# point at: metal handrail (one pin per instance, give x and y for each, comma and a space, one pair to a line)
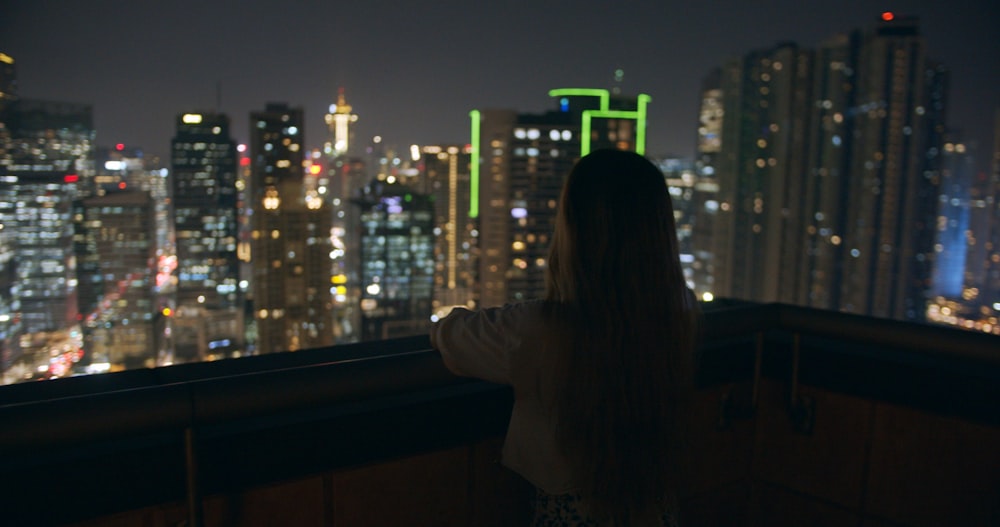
213, 399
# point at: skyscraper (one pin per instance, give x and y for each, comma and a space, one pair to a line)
126, 328
967, 277
9, 325
990, 294
897, 126
209, 311
445, 176
758, 168
520, 162
48, 157
954, 234
828, 173
339, 121
397, 260
681, 178
36, 208
291, 235
345, 174
705, 197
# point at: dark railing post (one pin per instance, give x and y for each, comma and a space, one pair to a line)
733, 406
801, 410
195, 512
758, 358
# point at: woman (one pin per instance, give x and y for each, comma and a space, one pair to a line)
601, 365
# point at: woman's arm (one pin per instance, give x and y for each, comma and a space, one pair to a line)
479, 343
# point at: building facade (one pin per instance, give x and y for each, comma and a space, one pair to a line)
291, 237
208, 318
828, 173
520, 162
397, 260
45, 165
444, 175
126, 327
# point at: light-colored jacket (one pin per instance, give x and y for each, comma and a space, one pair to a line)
507, 345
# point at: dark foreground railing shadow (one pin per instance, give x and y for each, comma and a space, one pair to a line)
800, 414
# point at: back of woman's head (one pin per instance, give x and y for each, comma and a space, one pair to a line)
615, 221
615, 282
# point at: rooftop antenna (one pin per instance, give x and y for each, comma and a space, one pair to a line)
619, 76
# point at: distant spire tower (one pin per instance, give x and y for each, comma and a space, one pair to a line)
339, 120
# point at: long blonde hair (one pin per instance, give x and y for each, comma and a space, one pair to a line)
624, 359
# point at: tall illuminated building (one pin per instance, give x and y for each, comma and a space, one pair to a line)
9, 325
444, 175
758, 171
681, 177
705, 195
345, 175
828, 173
208, 319
36, 214
48, 157
397, 260
515, 194
113, 170
124, 262
291, 251
897, 126
990, 295
967, 271
339, 121
955, 237
520, 162
126, 328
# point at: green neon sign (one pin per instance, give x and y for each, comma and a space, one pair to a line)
605, 113
474, 165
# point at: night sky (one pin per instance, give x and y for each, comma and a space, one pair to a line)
413, 70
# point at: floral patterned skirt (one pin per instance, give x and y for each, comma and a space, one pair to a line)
563, 510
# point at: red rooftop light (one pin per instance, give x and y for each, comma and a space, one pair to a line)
71, 178
121, 146
888, 16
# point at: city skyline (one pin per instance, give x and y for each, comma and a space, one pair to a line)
829, 156
413, 76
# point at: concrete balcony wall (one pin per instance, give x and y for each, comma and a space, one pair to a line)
845, 425
866, 464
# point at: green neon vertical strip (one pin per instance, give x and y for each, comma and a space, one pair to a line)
585, 133
474, 166
640, 134
603, 95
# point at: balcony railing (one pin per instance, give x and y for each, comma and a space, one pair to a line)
803, 417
